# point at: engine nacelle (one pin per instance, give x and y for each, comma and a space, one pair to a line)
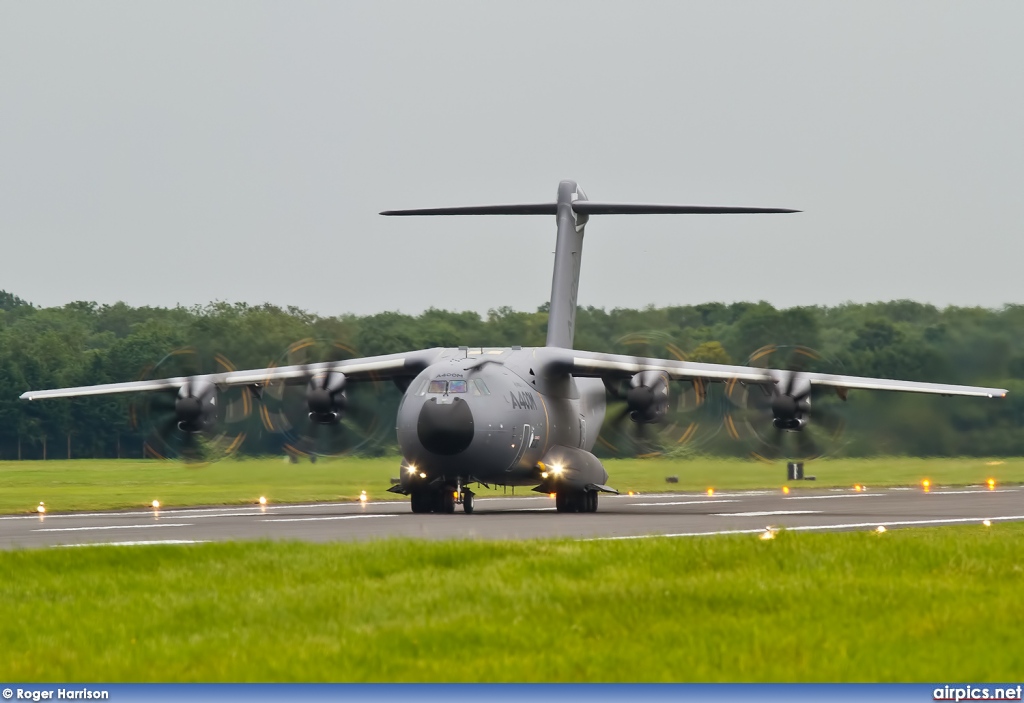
325, 398
195, 408
648, 397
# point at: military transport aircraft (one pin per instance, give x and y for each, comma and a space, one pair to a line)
513, 416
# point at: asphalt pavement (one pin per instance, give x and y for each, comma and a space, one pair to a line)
619, 517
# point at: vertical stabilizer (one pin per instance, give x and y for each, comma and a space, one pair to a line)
565, 282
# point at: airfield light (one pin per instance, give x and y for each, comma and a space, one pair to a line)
711, 491
858, 488
41, 508
927, 485
986, 523
785, 490
263, 500
880, 529
768, 533
155, 504
362, 497
991, 484
631, 493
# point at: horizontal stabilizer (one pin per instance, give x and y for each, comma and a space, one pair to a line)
525, 209
590, 207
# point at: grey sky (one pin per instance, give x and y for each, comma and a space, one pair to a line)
190, 151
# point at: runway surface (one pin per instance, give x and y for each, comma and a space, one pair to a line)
620, 517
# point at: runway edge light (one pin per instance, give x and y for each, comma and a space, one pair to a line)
41, 508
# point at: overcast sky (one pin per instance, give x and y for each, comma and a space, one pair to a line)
183, 152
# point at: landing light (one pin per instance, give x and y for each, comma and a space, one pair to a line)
543, 474
422, 475
551, 495
411, 469
41, 508
557, 469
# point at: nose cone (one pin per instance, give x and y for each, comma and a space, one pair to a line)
445, 429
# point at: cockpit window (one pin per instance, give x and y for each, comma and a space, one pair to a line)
479, 387
437, 387
457, 387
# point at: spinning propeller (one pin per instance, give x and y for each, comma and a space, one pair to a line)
196, 422
321, 415
776, 421
664, 415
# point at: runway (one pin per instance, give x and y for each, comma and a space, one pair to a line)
619, 517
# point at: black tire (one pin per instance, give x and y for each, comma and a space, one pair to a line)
562, 502
467, 503
420, 501
447, 500
592, 501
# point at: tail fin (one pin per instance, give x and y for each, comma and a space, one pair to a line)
572, 209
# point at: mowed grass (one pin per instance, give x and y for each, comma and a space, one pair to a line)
100, 484
909, 605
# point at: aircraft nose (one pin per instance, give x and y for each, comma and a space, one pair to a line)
445, 429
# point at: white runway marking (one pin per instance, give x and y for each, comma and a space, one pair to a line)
765, 513
812, 528
328, 517
113, 527
706, 501
140, 543
851, 495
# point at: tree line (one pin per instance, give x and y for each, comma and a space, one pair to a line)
84, 343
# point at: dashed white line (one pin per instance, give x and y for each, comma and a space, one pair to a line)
113, 527
139, 543
706, 501
765, 513
328, 517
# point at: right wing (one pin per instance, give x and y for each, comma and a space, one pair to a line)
367, 369
593, 364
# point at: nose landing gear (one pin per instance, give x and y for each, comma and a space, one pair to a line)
576, 501
442, 499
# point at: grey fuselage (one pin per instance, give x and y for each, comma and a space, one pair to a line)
492, 414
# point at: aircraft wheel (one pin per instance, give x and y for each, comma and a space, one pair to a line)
591, 501
467, 502
561, 502
420, 501
446, 500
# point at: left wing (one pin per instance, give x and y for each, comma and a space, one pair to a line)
593, 364
365, 369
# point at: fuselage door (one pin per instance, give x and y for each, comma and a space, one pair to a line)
521, 444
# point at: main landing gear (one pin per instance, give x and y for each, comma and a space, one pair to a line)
576, 501
442, 499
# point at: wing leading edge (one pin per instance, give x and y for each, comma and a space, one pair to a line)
580, 363
366, 369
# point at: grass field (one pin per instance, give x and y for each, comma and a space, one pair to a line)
909, 605
98, 484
